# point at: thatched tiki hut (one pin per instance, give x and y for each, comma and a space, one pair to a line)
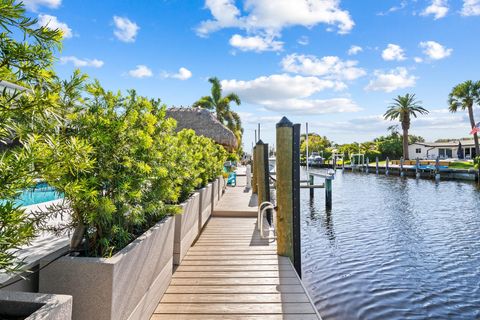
204, 123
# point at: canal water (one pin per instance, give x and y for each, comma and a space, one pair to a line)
393, 248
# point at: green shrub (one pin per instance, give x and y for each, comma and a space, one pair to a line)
476, 162
122, 168
27, 55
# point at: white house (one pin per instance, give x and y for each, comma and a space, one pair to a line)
444, 150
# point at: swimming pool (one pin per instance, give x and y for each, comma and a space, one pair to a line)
40, 193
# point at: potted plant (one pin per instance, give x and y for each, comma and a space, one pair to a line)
109, 165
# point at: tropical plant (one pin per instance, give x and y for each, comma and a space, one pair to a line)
26, 57
122, 168
476, 162
402, 109
221, 105
463, 96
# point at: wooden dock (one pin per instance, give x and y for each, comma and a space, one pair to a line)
231, 273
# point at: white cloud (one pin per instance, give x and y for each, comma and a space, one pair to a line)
51, 22
278, 87
255, 43
393, 52
312, 106
262, 16
331, 67
35, 4
251, 118
418, 59
441, 119
437, 8
182, 74
125, 30
471, 8
354, 50
303, 40
141, 71
392, 80
402, 5
77, 62
435, 50
286, 93
436, 119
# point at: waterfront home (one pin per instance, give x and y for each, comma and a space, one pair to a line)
444, 150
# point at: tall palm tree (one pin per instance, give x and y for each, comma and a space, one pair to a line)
463, 97
402, 108
221, 105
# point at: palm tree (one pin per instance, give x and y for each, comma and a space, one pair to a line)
402, 109
221, 105
462, 97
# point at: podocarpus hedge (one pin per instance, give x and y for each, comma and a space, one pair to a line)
122, 168
116, 158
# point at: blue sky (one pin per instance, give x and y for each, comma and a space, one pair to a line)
336, 64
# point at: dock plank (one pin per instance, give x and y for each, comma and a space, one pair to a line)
231, 273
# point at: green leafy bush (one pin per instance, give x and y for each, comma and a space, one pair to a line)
26, 58
476, 162
117, 159
122, 168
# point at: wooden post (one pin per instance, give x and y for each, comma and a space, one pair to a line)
263, 186
386, 166
343, 162
437, 169
297, 238
376, 165
288, 192
367, 164
417, 171
328, 193
306, 142
311, 181
254, 173
401, 167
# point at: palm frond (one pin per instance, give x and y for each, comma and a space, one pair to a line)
205, 102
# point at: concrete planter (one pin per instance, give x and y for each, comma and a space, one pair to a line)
128, 285
186, 227
205, 205
34, 306
221, 189
216, 187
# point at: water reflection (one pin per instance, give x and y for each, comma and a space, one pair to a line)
393, 248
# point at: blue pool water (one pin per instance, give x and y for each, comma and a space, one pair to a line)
42, 192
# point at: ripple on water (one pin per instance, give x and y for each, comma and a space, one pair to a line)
393, 248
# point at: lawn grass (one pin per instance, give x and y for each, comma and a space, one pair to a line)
461, 165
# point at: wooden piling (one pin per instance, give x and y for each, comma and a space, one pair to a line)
376, 165
437, 169
367, 164
311, 181
328, 193
387, 165
263, 186
296, 223
417, 170
401, 167
254, 166
288, 192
